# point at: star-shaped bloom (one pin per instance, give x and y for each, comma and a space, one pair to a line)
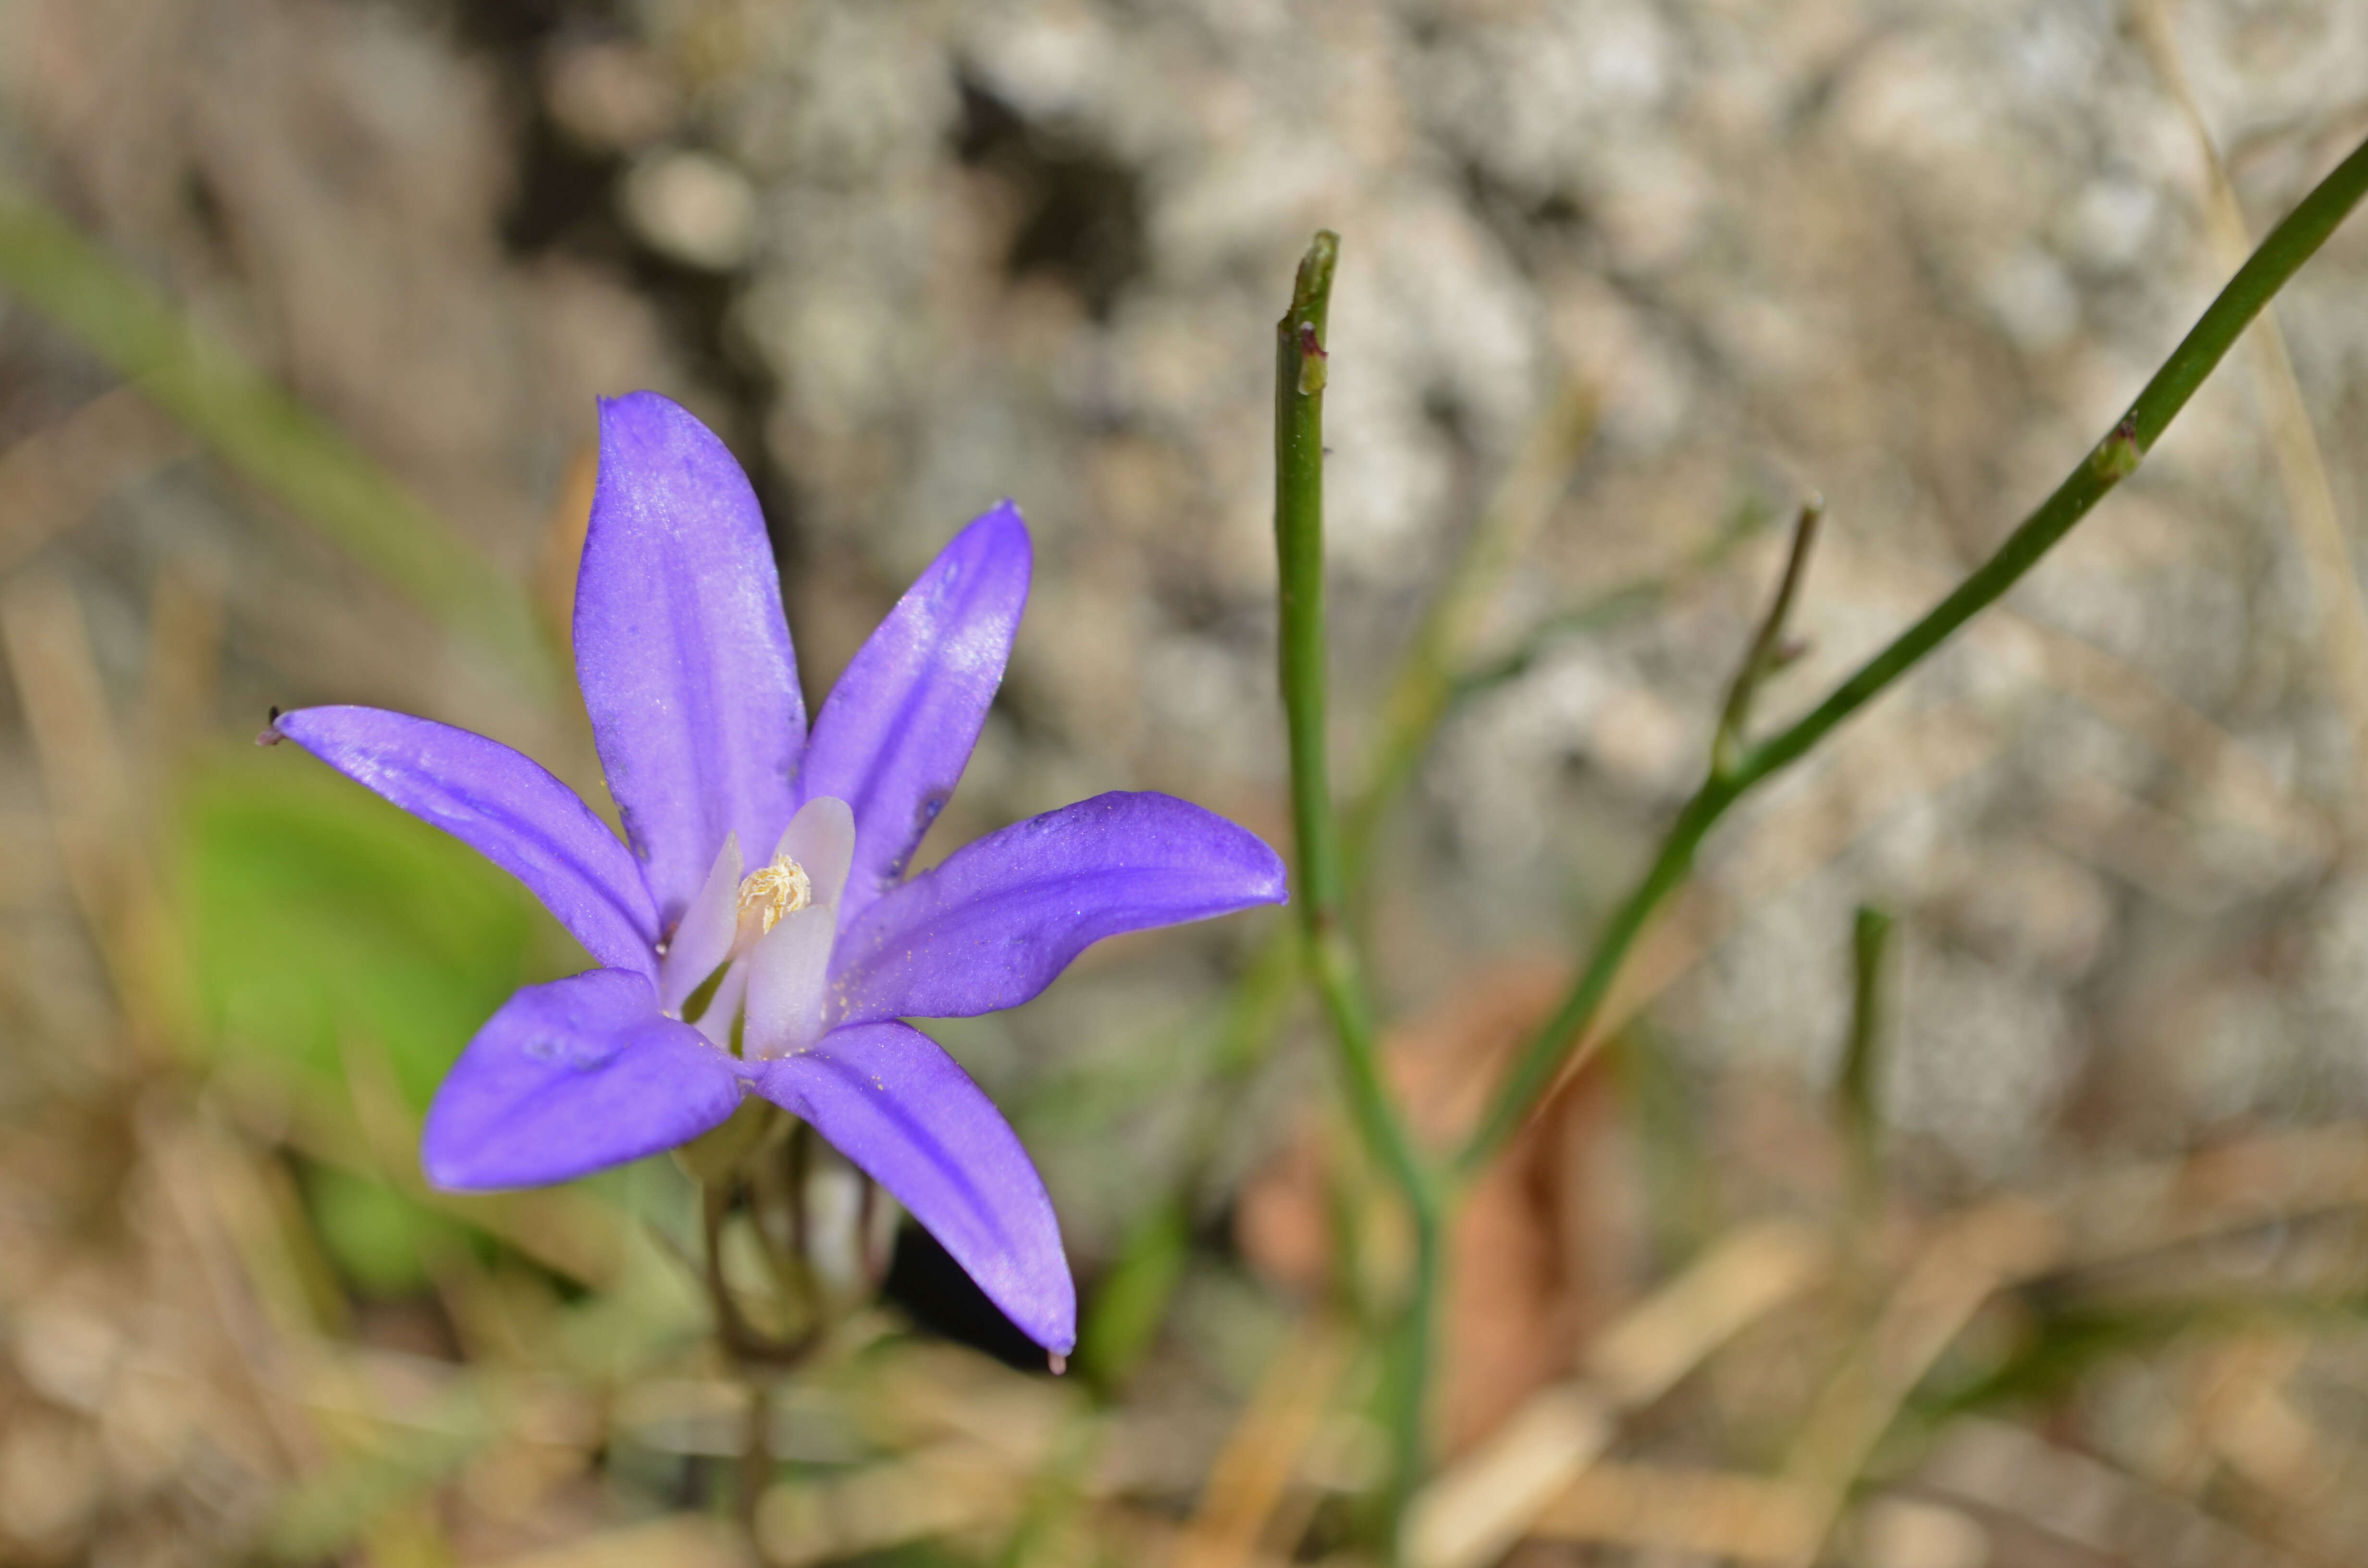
755, 930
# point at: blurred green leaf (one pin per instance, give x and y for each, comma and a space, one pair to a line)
2065, 1342
320, 919
1131, 1304
380, 1241
324, 1514
1675, 1162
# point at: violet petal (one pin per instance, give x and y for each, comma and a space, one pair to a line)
896, 730
991, 927
506, 806
892, 1101
570, 1077
681, 647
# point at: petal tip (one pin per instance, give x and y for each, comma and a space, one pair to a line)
1050, 1320
647, 423
451, 1170
1000, 528
311, 728
641, 404
1272, 882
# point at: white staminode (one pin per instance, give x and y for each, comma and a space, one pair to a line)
774, 931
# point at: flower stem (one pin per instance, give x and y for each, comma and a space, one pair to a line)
2291, 244
1299, 546
1134, 1294
1301, 372
756, 1458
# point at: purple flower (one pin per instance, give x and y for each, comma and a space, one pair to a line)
758, 936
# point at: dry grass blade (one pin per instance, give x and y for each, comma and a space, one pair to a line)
2122, 1214
2245, 1416
83, 766
2059, 1495
1748, 1518
91, 799
256, 1297
1477, 1509
947, 1487
1957, 1271
49, 482
1253, 1473
183, 673
680, 1540
1540, 1474
2102, 1221
1738, 1281
1472, 1513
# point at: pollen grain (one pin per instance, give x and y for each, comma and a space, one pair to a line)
774, 890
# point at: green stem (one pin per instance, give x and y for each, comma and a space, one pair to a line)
1299, 375
756, 1458
1543, 1059
1129, 1308
1319, 893
2290, 244
1768, 648
1856, 1090
748, 1348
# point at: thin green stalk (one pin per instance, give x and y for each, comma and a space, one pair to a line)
1856, 1088
1767, 650
1549, 1050
1127, 1311
2113, 459
1300, 371
1319, 892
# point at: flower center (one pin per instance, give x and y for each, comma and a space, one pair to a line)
780, 887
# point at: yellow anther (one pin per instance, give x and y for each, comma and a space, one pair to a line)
772, 890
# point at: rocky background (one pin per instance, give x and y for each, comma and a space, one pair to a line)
1680, 264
